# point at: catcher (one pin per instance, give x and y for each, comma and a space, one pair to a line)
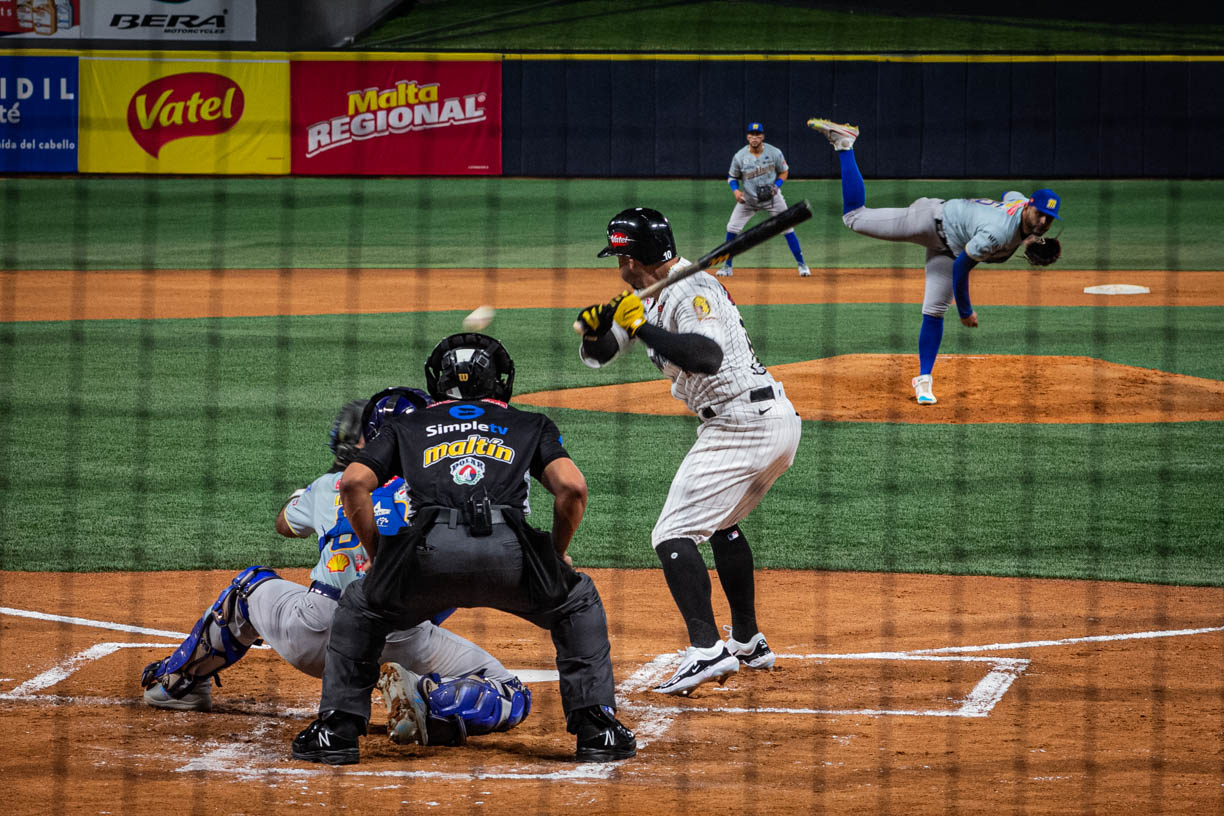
958, 234
439, 688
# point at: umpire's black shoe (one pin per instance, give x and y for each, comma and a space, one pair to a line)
331, 739
601, 738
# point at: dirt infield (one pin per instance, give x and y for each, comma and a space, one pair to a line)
893, 693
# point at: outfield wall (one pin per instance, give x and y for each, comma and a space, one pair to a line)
331, 113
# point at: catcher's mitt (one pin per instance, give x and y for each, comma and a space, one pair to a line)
1043, 251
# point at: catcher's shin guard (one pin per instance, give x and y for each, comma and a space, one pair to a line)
469, 706
219, 639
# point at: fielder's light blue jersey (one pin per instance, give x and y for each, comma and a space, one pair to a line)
756, 174
984, 229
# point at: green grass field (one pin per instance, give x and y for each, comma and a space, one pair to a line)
707, 26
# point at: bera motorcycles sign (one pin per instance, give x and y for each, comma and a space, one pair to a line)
396, 118
162, 20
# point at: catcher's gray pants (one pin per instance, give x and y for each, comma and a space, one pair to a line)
914, 224
296, 623
743, 213
458, 570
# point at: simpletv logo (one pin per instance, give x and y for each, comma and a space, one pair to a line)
182, 105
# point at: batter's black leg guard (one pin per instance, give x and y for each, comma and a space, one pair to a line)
689, 582
733, 560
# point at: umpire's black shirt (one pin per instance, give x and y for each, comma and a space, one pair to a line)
453, 451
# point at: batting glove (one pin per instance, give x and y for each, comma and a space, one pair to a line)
630, 314
597, 319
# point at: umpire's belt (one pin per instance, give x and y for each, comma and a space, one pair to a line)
452, 516
326, 590
763, 394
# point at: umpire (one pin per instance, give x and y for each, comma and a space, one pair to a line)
465, 460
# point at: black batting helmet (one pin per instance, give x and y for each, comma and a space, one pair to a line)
345, 435
469, 366
642, 234
391, 402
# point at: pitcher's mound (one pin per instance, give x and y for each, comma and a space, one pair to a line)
988, 388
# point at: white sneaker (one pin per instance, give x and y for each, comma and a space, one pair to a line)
804, 272
922, 389
724, 271
198, 698
700, 666
840, 136
407, 712
755, 654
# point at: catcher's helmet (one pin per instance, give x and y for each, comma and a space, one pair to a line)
345, 435
642, 234
391, 402
469, 366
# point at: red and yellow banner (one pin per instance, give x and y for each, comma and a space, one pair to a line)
396, 117
204, 114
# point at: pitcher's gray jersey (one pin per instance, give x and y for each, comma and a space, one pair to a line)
756, 174
986, 230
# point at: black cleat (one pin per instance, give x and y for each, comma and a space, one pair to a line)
601, 738
320, 742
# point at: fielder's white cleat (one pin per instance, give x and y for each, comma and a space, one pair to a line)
804, 272
407, 712
922, 389
840, 136
714, 664
724, 271
755, 654
198, 698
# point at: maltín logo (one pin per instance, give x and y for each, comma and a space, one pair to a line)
181, 105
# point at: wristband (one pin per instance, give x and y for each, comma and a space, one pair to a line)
778, 182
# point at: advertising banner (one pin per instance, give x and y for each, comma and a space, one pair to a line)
195, 115
170, 20
411, 118
55, 19
38, 114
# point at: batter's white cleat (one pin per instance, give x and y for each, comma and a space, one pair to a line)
922, 389
700, 666
407, 712
804, 272
724, 271
755, 654
840, 136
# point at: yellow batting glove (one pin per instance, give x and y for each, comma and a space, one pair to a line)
597, 320
630, 313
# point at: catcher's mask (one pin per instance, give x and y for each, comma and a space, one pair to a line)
391, 402
469, 366
642, 234
345, 436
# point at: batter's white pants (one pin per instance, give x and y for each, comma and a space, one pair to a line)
737, 457
296, 623
914, 224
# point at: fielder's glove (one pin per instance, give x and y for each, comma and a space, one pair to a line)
597, 320
1043, 251
628, 312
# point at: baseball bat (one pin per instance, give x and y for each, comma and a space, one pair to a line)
738, 245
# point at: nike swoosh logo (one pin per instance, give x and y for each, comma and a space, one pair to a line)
763, 410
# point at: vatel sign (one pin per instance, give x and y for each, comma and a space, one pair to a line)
205, 116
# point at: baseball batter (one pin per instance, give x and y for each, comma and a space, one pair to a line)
747, 438
296, 620
957, 234
756, 176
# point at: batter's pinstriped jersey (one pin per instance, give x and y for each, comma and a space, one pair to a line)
700, 305
756, 174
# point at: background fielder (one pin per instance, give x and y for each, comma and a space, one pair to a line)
756, 176
957, 234
747, 438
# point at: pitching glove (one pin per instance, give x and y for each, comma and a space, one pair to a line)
629, 313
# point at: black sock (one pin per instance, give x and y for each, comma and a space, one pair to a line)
689, 582
733, 560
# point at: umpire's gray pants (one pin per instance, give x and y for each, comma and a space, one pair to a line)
458, 570
914, 224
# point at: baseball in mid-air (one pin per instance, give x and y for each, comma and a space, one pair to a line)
480, 317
